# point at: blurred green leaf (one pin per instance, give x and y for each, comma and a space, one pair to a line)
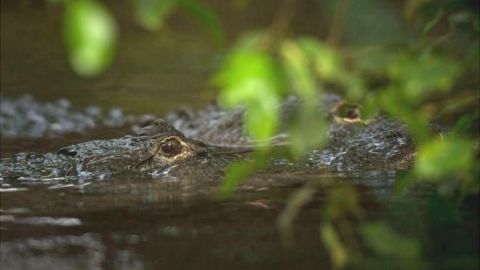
386, 242
326, 61
433, 21
374, 59
342, 204
251, 78
90, 35
308, 128
236, 172
412, 7
369, 22
328, 65
420, 76
297, 200
152, 14
206, 16
355, 85
444, 157
249, 41
464, 123
393, 101
342, 201
338, 252
297, 65
239, 170
307, 131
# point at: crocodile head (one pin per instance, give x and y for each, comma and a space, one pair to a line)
157, 148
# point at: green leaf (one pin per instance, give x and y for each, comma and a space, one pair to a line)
205, 16
90, 35
297, 200
421, 76
338, 252
327, 63
308, 129
443, 157
433, 21
152, 14
341, 201
297, 65
250, 78
236, 172
374, 60
393, 101
386, 242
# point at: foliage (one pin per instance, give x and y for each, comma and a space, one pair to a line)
258, 87
90, 36
90, 31
408, 80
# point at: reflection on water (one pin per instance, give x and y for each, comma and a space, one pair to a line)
167, 221
160, 223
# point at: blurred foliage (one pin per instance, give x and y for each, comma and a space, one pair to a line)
424, 73
90, 31
152, 14
90, 36
406, 81
258, 87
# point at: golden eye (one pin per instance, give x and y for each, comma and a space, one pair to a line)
171, 147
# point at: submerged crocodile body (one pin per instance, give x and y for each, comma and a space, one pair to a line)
204, 142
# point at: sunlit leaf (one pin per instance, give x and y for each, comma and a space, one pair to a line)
440, 158
297, 65
354, 84
308, 128
90, 36
327, 64
205, 16
152, 14
250, 78
326, 61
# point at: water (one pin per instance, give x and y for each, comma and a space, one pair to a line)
167, 222
162, 223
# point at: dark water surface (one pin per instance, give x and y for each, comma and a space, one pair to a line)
159, 223
167, 223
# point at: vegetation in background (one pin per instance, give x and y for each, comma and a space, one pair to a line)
428, 74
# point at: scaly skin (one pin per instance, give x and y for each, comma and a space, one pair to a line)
153, 150
207, 140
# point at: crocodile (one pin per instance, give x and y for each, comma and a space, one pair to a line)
205, 141
154, 150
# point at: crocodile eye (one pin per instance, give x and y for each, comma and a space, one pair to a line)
171, 147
